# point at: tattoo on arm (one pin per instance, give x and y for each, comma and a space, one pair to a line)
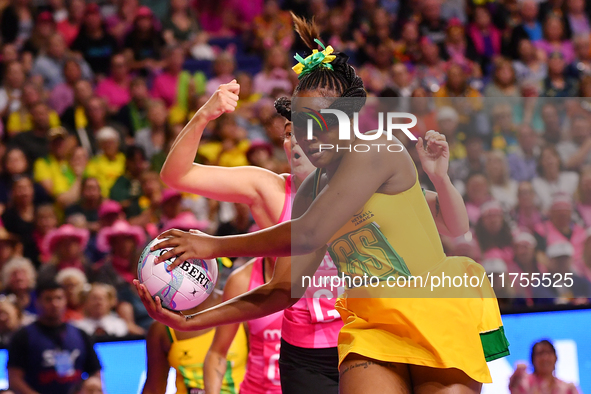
437, 206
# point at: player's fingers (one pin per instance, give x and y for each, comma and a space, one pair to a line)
167, 243
180, 259
158, 305
169, 255
171, 233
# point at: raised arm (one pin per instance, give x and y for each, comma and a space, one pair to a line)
259, 188
347, 191
447, 205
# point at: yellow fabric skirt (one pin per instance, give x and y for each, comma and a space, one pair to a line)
444, 328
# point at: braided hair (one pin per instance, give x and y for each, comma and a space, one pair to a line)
283, 107
342, 81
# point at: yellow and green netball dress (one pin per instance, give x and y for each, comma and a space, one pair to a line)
395, 235
187, 356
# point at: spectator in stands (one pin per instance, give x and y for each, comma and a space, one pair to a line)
377, 72
529, 29
504, 133
42, 31
224, 67
421, 105
74, 283
229, 145
16, 24
180, 27
408, 48
66, 245
74, 117
99, 319
45, 221
485, 37
493, 232
97, 115
473, 163
144, 43
557, 83
561, 228
522, 160
457, 49
456, 85
70, 27
19, 278
502, 187
530, 66
54, 172
24, 119
526, 214
19, 215
170, 205
543, 359
272, 27
432, 25
403, 82
552, 124
581, 66
175, 86
149, 203
120, 24
560, 263
552, 179
583, 196
577, 18
127, 188
12, 88
109, 165
477, 193
576, 152
10, 320
35, 143
62, 95
153, 138
216, 18
122, 241
158, 159
555, 40
14, 165
134, 115
89, 203
431, 68
503, 84
115, 88
275, 72
10, 247
41, 356
93, 42
51, 65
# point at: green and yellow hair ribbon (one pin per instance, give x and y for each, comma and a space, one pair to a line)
315, 60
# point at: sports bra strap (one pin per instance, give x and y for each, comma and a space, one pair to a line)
316, 186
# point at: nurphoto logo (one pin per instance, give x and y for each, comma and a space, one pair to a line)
392, 123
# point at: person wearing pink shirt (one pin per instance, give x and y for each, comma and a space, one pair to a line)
174, 85
542, 380
115, 88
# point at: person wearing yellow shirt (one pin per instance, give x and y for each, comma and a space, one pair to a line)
229, 147
109, 165
22, 120
60, 178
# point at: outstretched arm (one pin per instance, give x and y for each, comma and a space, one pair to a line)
259, 188
447, 205
345, 194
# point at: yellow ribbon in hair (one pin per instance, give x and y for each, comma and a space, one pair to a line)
315, 60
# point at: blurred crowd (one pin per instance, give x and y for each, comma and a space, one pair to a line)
94, 93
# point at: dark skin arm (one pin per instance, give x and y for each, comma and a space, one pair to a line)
157, 347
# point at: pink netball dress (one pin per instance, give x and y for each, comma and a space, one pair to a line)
312, 322
262, 367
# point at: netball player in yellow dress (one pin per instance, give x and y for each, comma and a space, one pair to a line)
388, 344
